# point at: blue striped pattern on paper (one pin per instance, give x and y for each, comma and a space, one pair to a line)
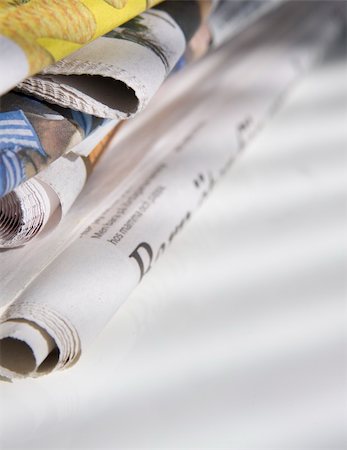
18, 140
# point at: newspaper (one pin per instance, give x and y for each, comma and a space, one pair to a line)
46, 327
116, 75
37, 206
64, 27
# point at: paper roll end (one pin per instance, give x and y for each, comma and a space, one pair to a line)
25, 350
23, 213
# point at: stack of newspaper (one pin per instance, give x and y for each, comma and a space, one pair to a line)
90, 200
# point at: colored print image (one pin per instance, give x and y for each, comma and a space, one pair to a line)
33, 134
20, 150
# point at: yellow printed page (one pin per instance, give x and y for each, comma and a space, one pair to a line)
48, 30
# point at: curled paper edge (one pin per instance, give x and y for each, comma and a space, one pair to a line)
46, 340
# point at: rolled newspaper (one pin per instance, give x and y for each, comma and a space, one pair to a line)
64, 27
38, 205
47, 327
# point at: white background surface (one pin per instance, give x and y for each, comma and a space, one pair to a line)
237, 337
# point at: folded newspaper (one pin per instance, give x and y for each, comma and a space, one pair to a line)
163, 177
35, 33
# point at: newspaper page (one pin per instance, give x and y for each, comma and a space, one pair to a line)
48, 326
